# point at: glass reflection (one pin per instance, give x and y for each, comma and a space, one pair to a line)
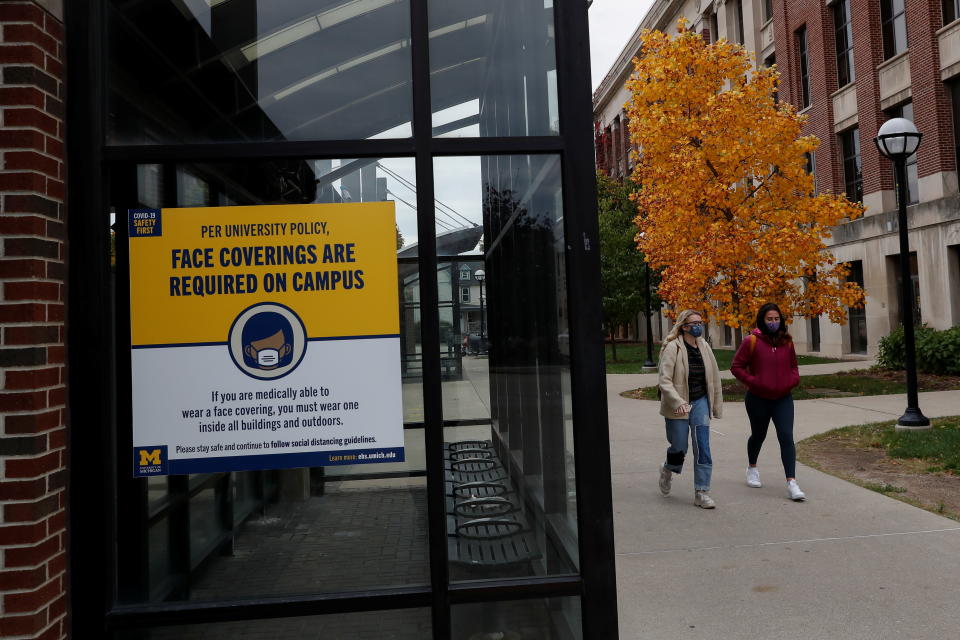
248, 70
396, 624
539, 619
509, 461
493, 68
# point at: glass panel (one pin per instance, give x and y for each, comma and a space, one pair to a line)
518, 469
247, 494
493, 68
294, 531
396, 624
207, 526
160, 558
156, 491
546, 619
251, 70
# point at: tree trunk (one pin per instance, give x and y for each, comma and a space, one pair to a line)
613, 343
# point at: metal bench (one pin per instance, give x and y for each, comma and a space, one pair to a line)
485, 525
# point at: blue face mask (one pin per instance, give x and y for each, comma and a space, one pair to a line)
772, 327
696, 331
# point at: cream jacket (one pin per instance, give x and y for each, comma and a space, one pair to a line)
674, 369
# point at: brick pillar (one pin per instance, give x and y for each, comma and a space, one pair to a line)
33, 558
788, 17
868, 55
931, 106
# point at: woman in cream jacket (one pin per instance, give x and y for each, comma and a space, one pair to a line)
690, 393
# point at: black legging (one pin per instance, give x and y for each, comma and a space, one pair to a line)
760, 411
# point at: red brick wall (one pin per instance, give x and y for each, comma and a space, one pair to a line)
789, 16
930, 101
931, 107
867, 55
33, 581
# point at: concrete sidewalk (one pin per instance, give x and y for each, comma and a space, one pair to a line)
847, 564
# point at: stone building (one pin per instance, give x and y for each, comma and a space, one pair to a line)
849, 65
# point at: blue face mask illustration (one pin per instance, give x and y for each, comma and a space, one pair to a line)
696, 331
772, 327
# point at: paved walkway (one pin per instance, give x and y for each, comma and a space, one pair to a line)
847, 564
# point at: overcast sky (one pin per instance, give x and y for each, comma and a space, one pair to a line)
612, 22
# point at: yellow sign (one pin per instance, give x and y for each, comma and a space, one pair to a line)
264, 337
194, 270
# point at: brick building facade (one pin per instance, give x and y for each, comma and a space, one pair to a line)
33, 556
903, 53
849, 65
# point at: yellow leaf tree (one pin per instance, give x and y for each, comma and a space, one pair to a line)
726, 206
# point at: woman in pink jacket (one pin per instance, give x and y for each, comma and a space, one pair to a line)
766, 363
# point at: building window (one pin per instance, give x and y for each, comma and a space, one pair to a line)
801, 36
464, 294
951, 11
913, 191
893, 263
858, 316
768, 62
767, 10
954, 88
714, 27
843, 31
815, 334
811, 166
894, 21
850, 150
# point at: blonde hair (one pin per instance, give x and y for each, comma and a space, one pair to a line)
674, 333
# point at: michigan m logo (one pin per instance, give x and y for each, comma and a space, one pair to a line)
148, 457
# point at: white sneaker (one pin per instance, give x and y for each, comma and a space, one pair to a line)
666, 476
794, 489
703, 500
753, 477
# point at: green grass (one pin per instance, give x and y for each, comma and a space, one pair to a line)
857, 383
630, 357
884, 488
938, 447
920, 453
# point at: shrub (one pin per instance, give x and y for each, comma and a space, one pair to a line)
937, 351
890, 350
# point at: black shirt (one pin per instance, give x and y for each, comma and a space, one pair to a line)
697, 378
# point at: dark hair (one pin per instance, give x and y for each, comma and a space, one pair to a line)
778, 337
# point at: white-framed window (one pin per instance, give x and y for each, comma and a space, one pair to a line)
465, 294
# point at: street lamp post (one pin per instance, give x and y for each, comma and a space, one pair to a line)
646, 312
898, 139
480, 275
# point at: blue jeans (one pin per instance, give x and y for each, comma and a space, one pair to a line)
761, 411
697, 423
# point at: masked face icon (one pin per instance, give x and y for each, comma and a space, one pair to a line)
268, 352
266, 341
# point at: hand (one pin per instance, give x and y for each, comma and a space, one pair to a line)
683, 409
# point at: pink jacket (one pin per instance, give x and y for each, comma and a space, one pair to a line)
769, 372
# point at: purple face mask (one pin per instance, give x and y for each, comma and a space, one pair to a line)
772, 327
